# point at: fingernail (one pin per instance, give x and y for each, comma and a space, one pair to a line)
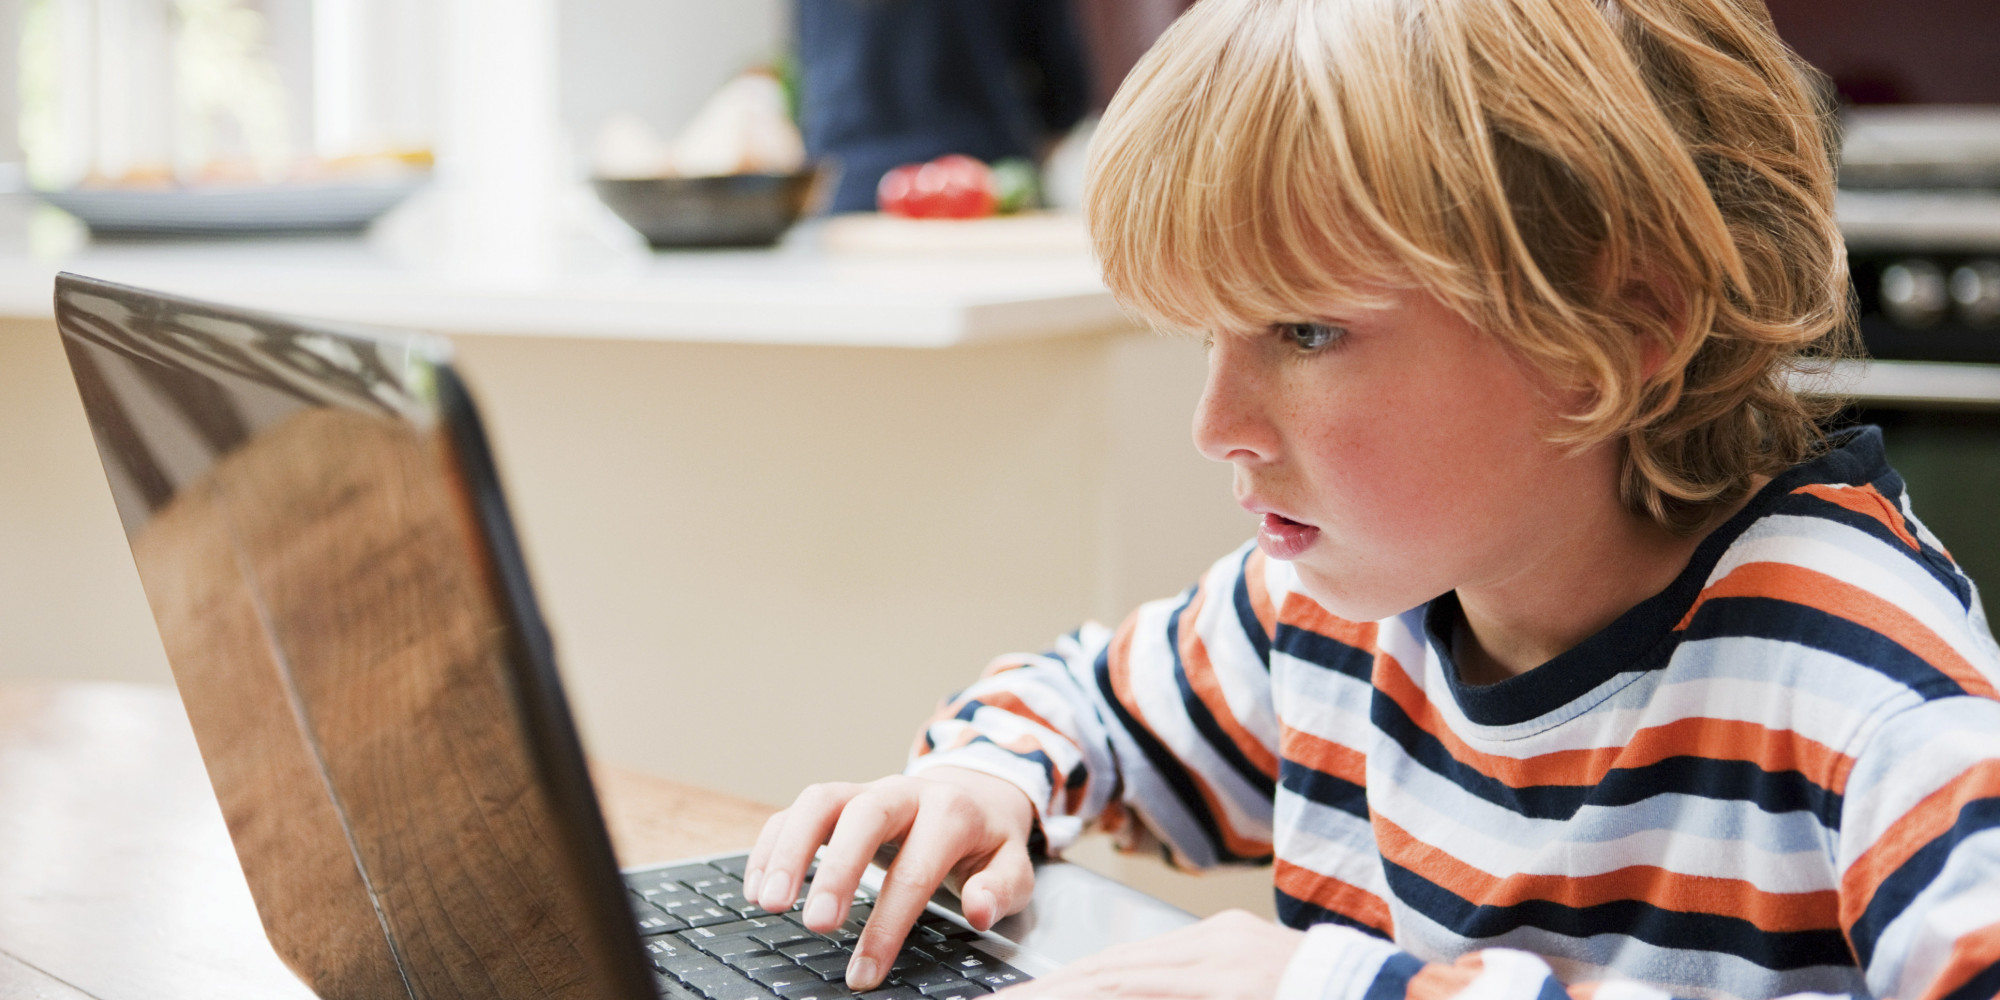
777, 893
819, 910
861, 973
992, 907
750, 880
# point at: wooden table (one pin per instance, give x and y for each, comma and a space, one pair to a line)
117, 879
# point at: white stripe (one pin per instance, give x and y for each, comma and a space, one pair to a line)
1858, 559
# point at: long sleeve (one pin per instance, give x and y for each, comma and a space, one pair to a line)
1161, 730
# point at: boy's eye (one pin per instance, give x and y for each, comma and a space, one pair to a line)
1311, 336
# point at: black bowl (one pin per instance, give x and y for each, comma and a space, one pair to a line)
735, 210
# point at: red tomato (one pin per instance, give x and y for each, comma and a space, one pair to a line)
893, 193
949, 187
955, 187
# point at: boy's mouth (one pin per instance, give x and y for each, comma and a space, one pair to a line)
1283, 538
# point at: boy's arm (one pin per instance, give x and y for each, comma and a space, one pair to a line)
1162, 730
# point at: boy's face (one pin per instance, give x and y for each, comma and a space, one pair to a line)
1395, 453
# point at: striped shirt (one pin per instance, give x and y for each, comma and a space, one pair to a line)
1780, 775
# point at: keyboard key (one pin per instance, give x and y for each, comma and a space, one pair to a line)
749, 926
684, 966
785, 933
1000, 976
893, 993
670, 988
705, 916
723, 984
961, 990
930, 975
663, 876
651, 924
808, 948
778, 977
829, 966
729, 947
751, 963
731, 865
665, 949
816, 990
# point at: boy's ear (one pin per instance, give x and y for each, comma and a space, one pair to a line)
1650, 292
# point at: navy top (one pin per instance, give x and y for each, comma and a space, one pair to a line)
887, 82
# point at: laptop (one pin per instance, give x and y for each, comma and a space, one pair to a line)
320, 531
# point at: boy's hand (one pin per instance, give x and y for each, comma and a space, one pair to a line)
1232, 955
953, 825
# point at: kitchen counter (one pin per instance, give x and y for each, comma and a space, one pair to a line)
602, 285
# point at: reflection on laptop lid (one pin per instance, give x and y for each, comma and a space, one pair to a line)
320, 532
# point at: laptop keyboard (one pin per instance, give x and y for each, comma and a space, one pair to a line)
707, 942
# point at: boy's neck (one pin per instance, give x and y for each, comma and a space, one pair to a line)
1579, 580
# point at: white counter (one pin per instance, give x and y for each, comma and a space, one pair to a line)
793, 294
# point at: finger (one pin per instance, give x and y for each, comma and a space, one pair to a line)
807, 824
1003, 886
938, 839
881, 813
767, 838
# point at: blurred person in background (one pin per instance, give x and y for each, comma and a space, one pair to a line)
888, 82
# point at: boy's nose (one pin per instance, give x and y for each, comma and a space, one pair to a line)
1229, 422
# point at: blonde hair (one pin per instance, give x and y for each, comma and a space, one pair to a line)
1636, 196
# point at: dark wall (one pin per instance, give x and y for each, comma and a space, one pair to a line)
1887, 52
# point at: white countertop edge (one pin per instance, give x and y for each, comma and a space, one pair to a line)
1918, 383
820, 314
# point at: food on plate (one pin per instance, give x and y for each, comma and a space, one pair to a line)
955, 186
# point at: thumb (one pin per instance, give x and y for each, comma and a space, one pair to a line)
1004, 886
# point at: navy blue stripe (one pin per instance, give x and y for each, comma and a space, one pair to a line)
1930, 560
1393, 982
1984, 986
1893, 896
1163, 761
1785, 621
1204, 720
1778, 950
1325, 651
1552, 990
1298, 914
1728, 780
1324, 788
1048, 766
1246, 612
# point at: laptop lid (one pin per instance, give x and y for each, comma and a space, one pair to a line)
320, 532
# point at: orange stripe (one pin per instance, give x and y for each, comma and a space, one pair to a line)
1332, 894
1925, 822
1867, 501
1324, 756
1442, 982
1718, 739
1584, 991
1120, 660
1776, 912
1786, 582
1201, 679
1010, 703
1303, 612
1971, 955
1260, 596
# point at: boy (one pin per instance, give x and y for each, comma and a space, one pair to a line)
1570, 655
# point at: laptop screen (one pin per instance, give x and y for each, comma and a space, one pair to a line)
321, 537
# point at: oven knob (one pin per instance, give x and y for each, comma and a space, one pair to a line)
1914, 293
1975, 289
